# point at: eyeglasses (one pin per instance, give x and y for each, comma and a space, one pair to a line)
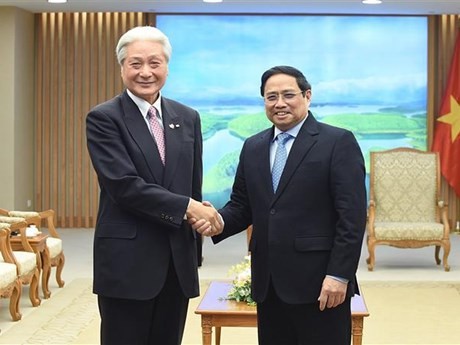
274, 97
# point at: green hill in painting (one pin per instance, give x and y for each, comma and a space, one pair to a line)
383, 126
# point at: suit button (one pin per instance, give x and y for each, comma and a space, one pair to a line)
272, 211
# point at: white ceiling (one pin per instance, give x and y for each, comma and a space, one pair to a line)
408, 7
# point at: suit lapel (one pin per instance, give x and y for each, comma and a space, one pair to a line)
263, 161
303, 143
141, 135
174, 127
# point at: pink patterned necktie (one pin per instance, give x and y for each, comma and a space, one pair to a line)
157, 131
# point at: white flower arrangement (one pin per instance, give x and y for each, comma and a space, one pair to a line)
241, 289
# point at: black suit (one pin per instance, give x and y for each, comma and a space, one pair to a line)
313, 225
141, 237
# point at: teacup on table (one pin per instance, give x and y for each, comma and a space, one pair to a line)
32, 231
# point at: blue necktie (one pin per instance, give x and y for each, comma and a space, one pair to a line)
280, 158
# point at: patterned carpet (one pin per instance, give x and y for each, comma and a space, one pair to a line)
402, 313
58, 320
412, 313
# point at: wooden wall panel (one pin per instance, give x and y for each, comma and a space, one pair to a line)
76, 69
442, 33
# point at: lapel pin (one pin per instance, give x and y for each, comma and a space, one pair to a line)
171, 126
177, 125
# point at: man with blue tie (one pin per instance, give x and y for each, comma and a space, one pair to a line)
301, 184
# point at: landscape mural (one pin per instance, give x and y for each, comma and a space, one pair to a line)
368, 74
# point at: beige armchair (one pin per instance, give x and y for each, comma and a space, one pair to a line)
405, 209
53, 242
10, 285
26, 261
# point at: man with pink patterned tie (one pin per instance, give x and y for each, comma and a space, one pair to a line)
147, 152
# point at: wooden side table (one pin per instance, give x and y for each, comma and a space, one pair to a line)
216, 311
38, 244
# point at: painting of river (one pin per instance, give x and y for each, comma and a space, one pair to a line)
368, 75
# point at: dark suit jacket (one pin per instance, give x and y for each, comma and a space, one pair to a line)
314, 224
140, 225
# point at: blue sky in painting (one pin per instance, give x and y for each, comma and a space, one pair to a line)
347, 59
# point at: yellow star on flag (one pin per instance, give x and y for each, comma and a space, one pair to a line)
452, 118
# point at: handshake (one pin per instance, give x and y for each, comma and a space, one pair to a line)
204, 218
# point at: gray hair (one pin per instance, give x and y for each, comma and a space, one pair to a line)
142, 33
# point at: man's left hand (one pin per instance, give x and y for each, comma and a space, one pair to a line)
332, 293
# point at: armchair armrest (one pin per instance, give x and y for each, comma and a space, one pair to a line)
21, 227
442, 205
371, 217
49, 216
5, 246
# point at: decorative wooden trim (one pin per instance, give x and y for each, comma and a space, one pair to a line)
76, 69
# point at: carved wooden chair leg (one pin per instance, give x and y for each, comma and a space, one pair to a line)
14, 301
60, 261
371, 259
446, 248
437, 249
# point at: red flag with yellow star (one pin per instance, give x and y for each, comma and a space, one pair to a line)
447, 127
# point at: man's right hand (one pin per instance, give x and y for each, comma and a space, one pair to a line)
204, 218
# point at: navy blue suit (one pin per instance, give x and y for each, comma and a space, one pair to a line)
140, 235
313, 225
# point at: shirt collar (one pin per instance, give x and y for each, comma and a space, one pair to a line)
144, 106
294, 131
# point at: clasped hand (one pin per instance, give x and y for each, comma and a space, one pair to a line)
204, 218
